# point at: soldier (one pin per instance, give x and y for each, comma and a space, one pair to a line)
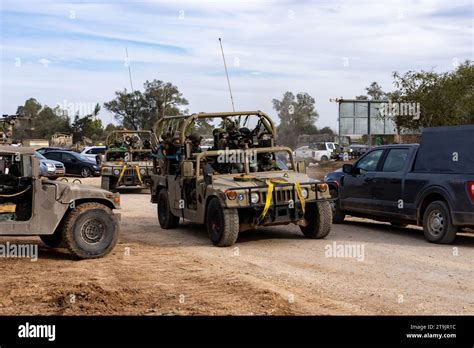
195, 140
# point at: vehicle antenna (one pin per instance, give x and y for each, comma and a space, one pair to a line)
227, 74
129, 70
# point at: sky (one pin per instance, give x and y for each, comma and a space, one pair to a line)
72, 53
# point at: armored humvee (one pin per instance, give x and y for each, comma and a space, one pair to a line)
66, 214
241, 183
128, 159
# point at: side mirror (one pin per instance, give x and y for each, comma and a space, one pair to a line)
301, 167
347, 168
188, 169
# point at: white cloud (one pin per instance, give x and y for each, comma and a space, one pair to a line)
280, 45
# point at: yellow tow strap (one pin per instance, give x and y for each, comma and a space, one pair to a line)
268, 201
121, 174
139, 176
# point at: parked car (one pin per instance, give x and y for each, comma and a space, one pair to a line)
75, 163
431, 184
42, 150
316, 152
357, 150
50, 168
94, 152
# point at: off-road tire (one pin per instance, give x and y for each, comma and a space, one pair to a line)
319, 218
444, 234
338, 215
86, 172
222, 224
324, 159
54, 240
84, 246
166, 218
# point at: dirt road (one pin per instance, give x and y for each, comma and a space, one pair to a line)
362, 267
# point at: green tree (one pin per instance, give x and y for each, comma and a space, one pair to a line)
140, 110
44, 120
89, 126
444, 98
297, 116
375, 92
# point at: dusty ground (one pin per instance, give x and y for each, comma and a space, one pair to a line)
271, 271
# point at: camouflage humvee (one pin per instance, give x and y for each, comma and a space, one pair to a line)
241, 183
66, 214
128, 159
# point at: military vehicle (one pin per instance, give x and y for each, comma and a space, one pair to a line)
66, 214
128, 159
6, 128
239, 184
63, 140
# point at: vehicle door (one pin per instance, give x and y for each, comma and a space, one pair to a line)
72, 164
388, 181
358, 186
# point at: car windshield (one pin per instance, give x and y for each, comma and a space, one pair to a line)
40, 156
82, 157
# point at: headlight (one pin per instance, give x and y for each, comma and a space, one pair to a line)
116, 171
304, 193
254, 197
142, 171
51, 167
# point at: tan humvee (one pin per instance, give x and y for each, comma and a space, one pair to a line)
128, 159
76, 216
241, 183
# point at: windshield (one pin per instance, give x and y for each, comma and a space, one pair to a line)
40, 156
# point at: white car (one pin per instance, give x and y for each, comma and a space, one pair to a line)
317, 152
92, 152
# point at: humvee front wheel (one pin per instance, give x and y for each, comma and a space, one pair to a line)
166, 218
90, 231
222, 224
319, 218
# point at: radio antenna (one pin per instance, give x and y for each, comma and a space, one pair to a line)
227, 74
129, 69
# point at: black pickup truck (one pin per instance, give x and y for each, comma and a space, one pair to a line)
431, 184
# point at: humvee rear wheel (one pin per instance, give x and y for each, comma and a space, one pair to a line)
319, 218
166, 218
90, 231
53, 240
222, 224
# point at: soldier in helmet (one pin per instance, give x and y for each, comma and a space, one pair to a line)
195, 140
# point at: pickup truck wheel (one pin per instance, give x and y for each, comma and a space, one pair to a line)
222, 224
319, 218
53, 240
337, 215
437, 224
90, 231
166, 218
324, 159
